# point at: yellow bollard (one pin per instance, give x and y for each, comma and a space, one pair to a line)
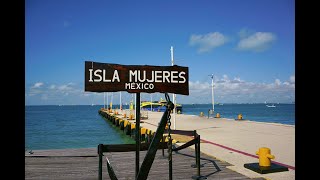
264, 156
218, 115
201, 114
133, 126
239, 116
125, 123
265, 165
143, 131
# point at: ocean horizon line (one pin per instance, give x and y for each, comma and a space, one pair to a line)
218, 104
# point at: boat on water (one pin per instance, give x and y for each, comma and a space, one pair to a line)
271, 105
158, 106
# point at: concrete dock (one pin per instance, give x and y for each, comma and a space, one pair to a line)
237, 141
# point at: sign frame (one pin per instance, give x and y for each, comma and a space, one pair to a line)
107, 77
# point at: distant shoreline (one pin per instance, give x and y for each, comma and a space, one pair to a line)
181, 103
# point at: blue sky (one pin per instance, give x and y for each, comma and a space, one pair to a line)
248, 45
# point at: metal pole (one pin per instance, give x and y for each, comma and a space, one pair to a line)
195, 146
137, 132
135, 101
111, 103
212, 94
100, 161
173, 95
104, 100
107, 100
120, 102
170, 161
198, 155
151, 102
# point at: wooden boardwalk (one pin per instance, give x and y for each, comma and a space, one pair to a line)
83, 164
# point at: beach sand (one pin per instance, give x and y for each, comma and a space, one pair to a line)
236, 142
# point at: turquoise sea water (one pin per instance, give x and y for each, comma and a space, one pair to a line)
282, 113
60, 127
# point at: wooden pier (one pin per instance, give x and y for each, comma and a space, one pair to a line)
83, 164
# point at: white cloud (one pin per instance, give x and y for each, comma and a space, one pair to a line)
54, 94
207, 42
226, 90
238, 90
293, 79
198, 86
37, 85
52, 89
236, 80
258, 42
35, 89
52, 86
225, 77
65, 87
277, 82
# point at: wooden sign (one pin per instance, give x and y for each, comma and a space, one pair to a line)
104, 77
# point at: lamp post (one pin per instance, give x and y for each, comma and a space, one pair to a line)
212, 92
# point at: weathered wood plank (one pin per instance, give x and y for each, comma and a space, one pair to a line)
82, 166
